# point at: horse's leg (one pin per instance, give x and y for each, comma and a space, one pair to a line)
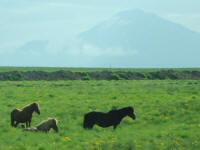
29, 123
91, 126
115, 126
16, 124
26, 124
12, 122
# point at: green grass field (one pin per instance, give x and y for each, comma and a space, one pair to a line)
168, 114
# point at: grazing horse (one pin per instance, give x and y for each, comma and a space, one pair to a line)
111, 118
24, 115
44, 126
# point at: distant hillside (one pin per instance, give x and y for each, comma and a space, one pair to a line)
152, 39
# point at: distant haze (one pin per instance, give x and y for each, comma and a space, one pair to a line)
102, 33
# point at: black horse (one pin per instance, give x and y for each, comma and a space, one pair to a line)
112, 118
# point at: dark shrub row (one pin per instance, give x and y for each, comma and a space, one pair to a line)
104, 75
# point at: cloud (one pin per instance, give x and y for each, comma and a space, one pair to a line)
9, 47
94, 51
35, 47
189, 20
47, 20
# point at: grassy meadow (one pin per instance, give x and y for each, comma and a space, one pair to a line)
168, 114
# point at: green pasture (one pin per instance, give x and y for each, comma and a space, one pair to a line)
168, 114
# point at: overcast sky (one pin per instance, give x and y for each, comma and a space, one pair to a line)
58, 21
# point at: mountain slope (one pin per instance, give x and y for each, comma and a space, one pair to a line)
157, 41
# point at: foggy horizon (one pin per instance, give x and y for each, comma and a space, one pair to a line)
46, 34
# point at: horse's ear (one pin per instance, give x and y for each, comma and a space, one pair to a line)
132, 108
36, 104
55, 121
114, 108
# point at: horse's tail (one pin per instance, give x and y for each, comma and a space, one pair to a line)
88, 122
85, 122
12, 118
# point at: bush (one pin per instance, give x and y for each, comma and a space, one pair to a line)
115, 76
86, 77
15, 76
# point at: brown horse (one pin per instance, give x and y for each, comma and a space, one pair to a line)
24, 115
44, 126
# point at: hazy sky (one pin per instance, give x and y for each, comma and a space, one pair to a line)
56, 22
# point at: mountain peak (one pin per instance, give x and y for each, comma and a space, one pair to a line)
130, 13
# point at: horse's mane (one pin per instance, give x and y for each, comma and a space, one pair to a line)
31, 106
54, 120
122, 109
127, 108
113, 110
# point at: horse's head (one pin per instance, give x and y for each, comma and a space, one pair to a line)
54, 125
131, 112
36, 108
